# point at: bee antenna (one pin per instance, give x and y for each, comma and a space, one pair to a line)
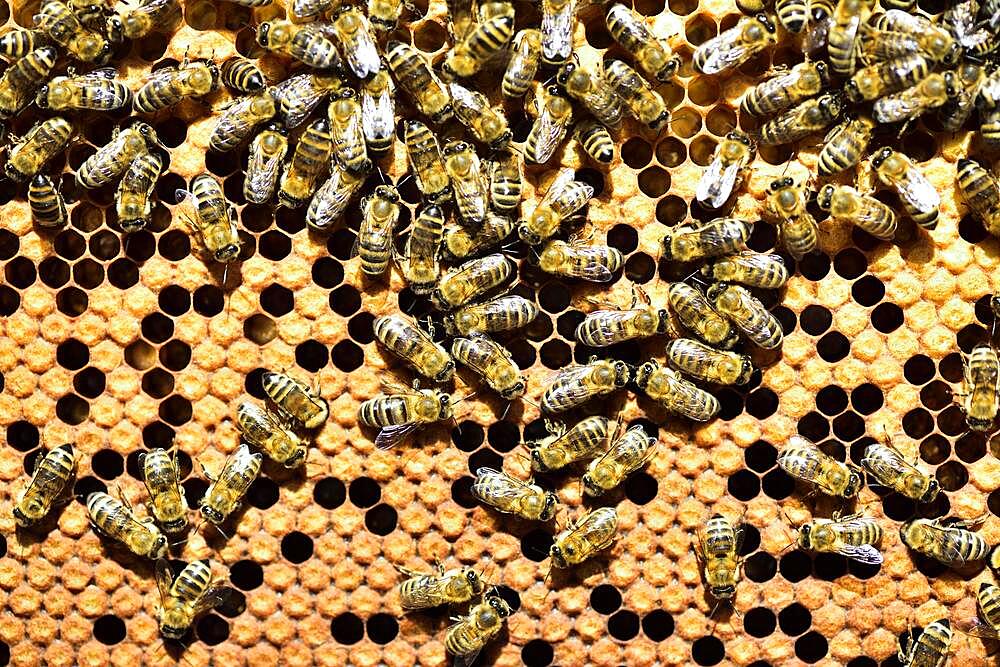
465, 398
530, 402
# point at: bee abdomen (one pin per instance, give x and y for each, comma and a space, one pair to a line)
48, 209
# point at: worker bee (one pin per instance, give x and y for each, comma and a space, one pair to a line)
553, 115
51, 474
467, 637
718, 551
575, 385
969, 79
214, 220
753, 269
721, 236
932, 39
332, 198
584, 538
596, 263
403, 411
853, 537
378, 112
988, 598
565, 196
982, 387
563, 446
951, 543
225, 493
384, 14
379, 215
977, 38
239, 119
492, 362
645, 104
818, 27
602, 328
169, 85
306, 43
354, 34
733, 47
930, 649
112, 159
698, 360
804, 460
845, 145
596, 140
725, 173
62, 26
792, 14
346, 133
500, 314
44, 141
470, 280
932, 92
425, 591
523, 63
505, 182
881, 78
414, 75
149, 16
748, 313
848, 205
891, 470
405, 339
419, 262
558, 21
591, 89
267, 151
786, 88
653, 55
97, 90
487, 123
309, 9
626, 454
309, 161
468, 183
845, 24
48, 208
297, 96
786, 202
184, 599
461, 243
134, 199
295, 400
981, 192
485, 41
19, 43
425, 159
22, 78
264, 430
115, 519
161, 475
810, 116
697, 315
675, 394
920, 199
512, 496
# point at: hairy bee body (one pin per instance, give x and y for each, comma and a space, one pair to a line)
414, 75
398, 415
626, 454
62, 26
378, 112
951, 544
932, 92
718, 549
786, 203
415, 346
168, 86
501, 314
592, 89
921, 200
461, 243
17, 44
384, 14
887, 465
845, 145
584, 538
346, 133
725, 173
134, 198
558, 21
308, 163
853, 536
492, 362
242, 75
112, 518
553, 116
596, 140
306, 43
486, 40
150, 16
112, 159
810, 116
226, 492
881, 78
969, 80
214, 220
653, 55
818, 28
238, 121
471, 280
505, 183
747, 312
97, 90
982, 387
988, 597
512, 496
608, 327
468, 183
425, 591
162, 477
354, 34
48, 208
981, 192
523, 63
467, 637
267, 151
698, 360
645, 104
420, 264
563, 446
264, 430
183, 599
676, 394
733, 47
48, 480
332, 197
577, 384
565, 197
935, 41
721, 236
379, 215
297, 96
845, 23
486, 123
22, 79
848, 205
594, 263
295, 400
786, 89
930, 649
44, 141
307, 9
804, 460
792, 14
699, 317
753, 269
425, 159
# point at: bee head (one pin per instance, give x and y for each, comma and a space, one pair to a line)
723, 592
42, 99
558, 557
746, 370
536, 461
446, 372
663, 324
296, 459
443, 114
548, 507
444, 406
174, 623
500, 607
475, 581
854, 482
564, 73
766, 21
831, 104
780, 183
933, 488
590, 487
263, 30
825, 196
211, 514
642, 375
159, 548
514, 390
623, 373
803, 537
501, 140
115, 29
881, 157
29, 515
823, 71
528, 235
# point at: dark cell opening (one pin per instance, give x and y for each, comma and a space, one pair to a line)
175, 355
730, 403
347, 356
108, 464
72, 354
811, 647
72, 409
935, 449
296, 547
208, 300
327, 272
951, 367
814, 427
831, 400
556, 354
898, 508
157, 328
795, 566
174, 245
485, 458
829, 567
867, 398
329, 493
761, 456
658, 625
175, 300
786, 318
850, 263
277, 300
833, 347
212, 629
917, 423
623, 625
623, 237
605, 599
381, 519
535, 545
55, 273
971, 447
345, 300
311, 355
260, 329
503, 436
887, 317
760, 567
868, 291
762, 403
468, 436
382, 628
364, 492
952, 476
509, 595
814, 266
848, 427
194, 489
971, 230
347, 629
918, 369
176, 410
744, 485
553, 297
157, 383
537, 653
778, 484
22, 436
759, 622
123, 273
254, 384
815, 320
70, 301
461, 492
263, 493
9, 301
109, 630
157, 434
246, 575
641, 488
360, 328
708, 651
20, 272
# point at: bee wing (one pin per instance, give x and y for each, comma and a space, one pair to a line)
562, 179
297, 97
977, 628
390, 436
164, 577
549, 135
608, 320
262, 171
212, 598
724, 51
557, 30
97, 75
160, 76
903, 105
466, 660
717, 183
593, 271
918, 191
567, 385
378, 114
864, 553
947, 548
460, 18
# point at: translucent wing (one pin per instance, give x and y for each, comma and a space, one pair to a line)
562, 179
390, 436
212, 598
864, 553
161, 76
548, 134
724, 51
609, 321
900, 106
234, 476
466, 660
717, 183
100, 74
568, 386
297, 97
460, 18
164, 577
593, 271
918, 191
362, 55
262, 174
501, 486
378, 114
884, 467
945, 546
977, 628
557, 30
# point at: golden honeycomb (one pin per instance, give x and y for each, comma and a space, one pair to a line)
118, 345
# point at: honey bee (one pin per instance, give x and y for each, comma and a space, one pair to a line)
801, 121
485, 41
297, 96
553, 115
953, 543
753, 269
933, 40
845, 24
225, 493
492, 362
645, 104
932, 92
501, 314
747, 313
405, 339
384, 14
558, 21
238, 121
112, 159
378, 112
354, 34
584, 538
402, 412
162, 477
307, 9
150, 16
134, 199
592, 90
467, 637
44, 141
653, 55
379, 215
792, 14
295, 400
512, 496
981, 193
17, 44
881, 78
309, 161
676, 394
461, 19
804, 460
115, 519
853, 537
505, 183
264, 430
887, 465
462, 243
306, 43
818, 28
595, 263
721, 236
419, 262
214, 220
596, 141
267, 152
563, 446
975, 37
602, 328
487, 123
414, 75
51, 474
982, 387
726, 172
920, 199
23, 77
425, 160
989, 109
698, 360
332, 198
786, 88
845, 145
425, 591
184, 599
786, 202
848, 205
988, 598
97, 90
930, 649
523, 63
969, 79
697, 315
487, 11
468, 183
168, 86
242, 75
565, 196
62, 26
733, 47
470, 280
575, 385
346, 133
626, 454
718, 551
48, 208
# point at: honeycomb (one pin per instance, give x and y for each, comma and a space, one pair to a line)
120, 345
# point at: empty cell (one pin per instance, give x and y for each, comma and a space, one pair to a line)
109, 630
141, 246
212, 629
89, 383
9, 244
700, 29
623, 625
848, 427
329, 493
20, 272
174, 245
918, 369
795, 566
775, 154
917, 423
670, 152
347, 356
537, 653
485, 458
703, 91
867, 398
382, 628
429, 36
72, 409
831, 400
829, 567
935, 449
833, 347
535, 544
761, 456
22, 436
461, 492
605, 599
263, 493
86, 486
971, 447
760, 567
157, 328
868, 291
175, 355
636, 152
260, 329
887, 317
364, 492
311, 355
815, 320
381, 519
277, 300
814, 266
345, 300
108, 464
777, 484
708, 651
970, 336
540, 328
327, 272
347, 629
671, 210
685, 122
813, 426
952, 476
702, 149
296, 547
55, 273
721, 120
794, 619
72, 301
556, 354
176, 410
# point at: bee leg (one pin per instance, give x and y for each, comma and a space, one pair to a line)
209, 476
123, 498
